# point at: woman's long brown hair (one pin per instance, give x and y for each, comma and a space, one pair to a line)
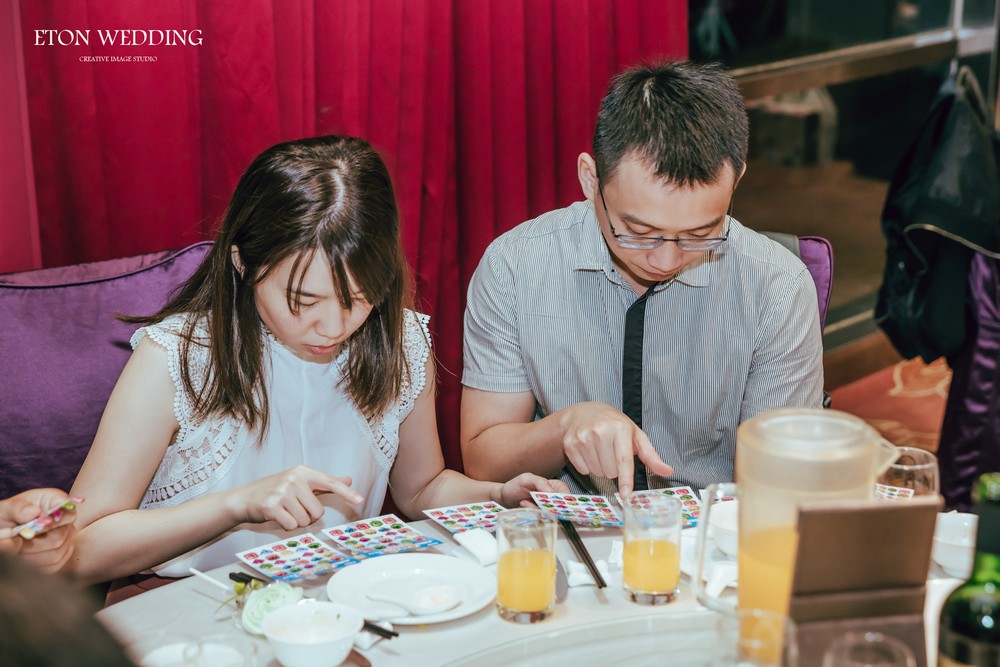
330, 195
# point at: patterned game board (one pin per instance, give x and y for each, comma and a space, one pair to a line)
292, 559
459, 518
382, 535
584, 510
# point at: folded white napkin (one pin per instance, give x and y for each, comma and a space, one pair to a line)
577, 573
615, 557
365, 640
480, 544
720, 576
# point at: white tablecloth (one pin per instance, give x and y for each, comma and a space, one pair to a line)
190, 607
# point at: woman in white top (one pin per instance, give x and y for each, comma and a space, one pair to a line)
284, 387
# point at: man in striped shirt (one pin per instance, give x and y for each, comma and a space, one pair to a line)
624, 338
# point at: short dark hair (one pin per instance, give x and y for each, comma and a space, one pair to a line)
683, 119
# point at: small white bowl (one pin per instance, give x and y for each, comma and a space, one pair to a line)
312, 634
955, 543
723, 526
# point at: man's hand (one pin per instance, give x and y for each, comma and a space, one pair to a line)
599, 440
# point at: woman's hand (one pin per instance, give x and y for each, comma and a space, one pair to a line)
518, 490
49, 549
288, 497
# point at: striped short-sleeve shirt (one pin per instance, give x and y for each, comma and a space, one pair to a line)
733, 335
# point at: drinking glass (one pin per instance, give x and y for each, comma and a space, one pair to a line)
651, 562
756, 638
526, 566
913, 473
868, 649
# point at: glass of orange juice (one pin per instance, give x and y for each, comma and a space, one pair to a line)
757, 638
651, 563
526, 567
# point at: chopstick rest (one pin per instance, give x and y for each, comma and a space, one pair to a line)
480, 544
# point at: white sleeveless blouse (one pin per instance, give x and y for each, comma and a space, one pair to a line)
312, 422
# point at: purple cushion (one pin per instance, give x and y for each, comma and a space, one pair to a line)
61, 352
817, 254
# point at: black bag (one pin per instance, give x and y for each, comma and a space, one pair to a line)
943, 204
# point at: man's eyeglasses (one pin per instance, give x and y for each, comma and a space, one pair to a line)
651, 242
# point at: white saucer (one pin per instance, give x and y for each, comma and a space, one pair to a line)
407, 574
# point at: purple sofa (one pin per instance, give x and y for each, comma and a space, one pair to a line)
61, 352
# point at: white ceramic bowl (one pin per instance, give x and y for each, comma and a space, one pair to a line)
955, 542
312, 634
723, 526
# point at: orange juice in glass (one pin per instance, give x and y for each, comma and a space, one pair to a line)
651, 563
526, 567
766, 563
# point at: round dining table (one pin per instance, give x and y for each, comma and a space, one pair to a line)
591, 626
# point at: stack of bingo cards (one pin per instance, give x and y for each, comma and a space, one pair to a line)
460, 518
383, 535
584, 510
301, 557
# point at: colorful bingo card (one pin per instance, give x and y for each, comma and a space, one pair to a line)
459, 518
690, 505
584, 510
886, 492
301, 557
47, 518
383, 535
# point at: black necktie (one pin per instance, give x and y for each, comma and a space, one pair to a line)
635, 320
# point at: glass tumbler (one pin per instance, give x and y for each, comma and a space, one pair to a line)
526, 565
651, 562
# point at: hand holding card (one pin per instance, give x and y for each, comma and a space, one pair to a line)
47, 519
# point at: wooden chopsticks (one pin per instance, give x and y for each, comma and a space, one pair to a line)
376, 629
581, 550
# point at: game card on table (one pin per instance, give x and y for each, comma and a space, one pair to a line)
460, 518
584, 510
886, 492
690, 504
383, 535
295, 558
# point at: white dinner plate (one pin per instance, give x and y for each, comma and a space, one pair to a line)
407, 574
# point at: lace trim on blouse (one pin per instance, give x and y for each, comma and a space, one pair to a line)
203, 452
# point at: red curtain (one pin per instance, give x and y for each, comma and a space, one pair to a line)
480, 108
